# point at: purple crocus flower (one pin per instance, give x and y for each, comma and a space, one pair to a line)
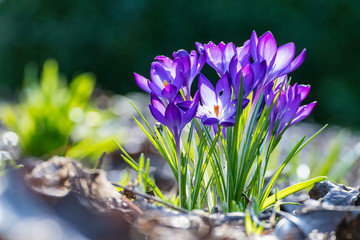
280, 61
252, 75
217, 106
172, 116
192, 66
218, 56
287, 109
167, 79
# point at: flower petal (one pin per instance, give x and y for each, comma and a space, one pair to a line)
285, 54
207, 91
173, 118
169, 91
155, 89
214, 57
157, 103
303, 90
142, 82
179, 77
303, 112
267, 47
159, 74
228, 123
209, 121
190, 114
253, 46
165, 60
259, 70
248, 80
185, 59
297, 61
158, 115
234, 68
228, 54
223, 90
289, 113
200, 48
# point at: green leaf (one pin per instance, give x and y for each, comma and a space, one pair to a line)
290, 190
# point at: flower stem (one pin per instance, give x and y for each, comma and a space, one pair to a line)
177, 143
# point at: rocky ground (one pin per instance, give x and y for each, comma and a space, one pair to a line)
61, 199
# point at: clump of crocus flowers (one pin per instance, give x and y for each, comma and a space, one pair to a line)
219, 140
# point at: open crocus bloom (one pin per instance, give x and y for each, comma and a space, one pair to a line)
172, 116
217, 106
167, 79
286, 109
218, 56
280, 61
192, 66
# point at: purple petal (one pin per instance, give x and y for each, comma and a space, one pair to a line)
179, 78
222, 46
157, 103
253, 46
267, 47
285, 54
159, 74
248, 80
193, 65
289, 113
234, 68
185, 59
243, 54
259, 70
158, 115
228, 123
184, 105
190, 114
200, 48
165, 60
269, 94
178, 99
303, 90
209, 121
223, 90
245, 102
155, 89
177, 67
169, 91
200, 62
214, 57
207, 91
142, 82
303, 112
297, 61
229, 53
229, 111
173, 118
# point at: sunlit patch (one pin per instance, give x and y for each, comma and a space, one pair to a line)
11, 138
76, 114
93, 119
216, 110
303, 171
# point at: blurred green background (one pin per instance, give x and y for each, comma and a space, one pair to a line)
114, 38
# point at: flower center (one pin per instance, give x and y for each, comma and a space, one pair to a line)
277, 104
216, 110
165, 83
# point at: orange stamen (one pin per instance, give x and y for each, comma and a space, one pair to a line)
165, 83
216, 110
277, 104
